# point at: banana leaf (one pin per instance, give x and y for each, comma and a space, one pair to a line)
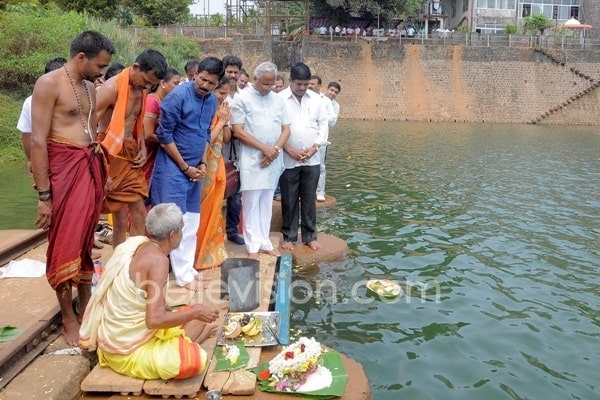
223, 364
8, 333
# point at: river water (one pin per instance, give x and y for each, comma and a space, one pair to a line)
491, 230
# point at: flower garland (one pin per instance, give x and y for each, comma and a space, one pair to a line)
289, 369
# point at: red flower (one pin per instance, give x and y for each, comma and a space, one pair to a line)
289, 355
264, 374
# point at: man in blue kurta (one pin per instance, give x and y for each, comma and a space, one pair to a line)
183, 133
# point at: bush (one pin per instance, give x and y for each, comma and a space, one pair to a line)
32, 35
510, 29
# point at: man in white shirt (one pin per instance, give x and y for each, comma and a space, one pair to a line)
333, 89
24, 123
308, 131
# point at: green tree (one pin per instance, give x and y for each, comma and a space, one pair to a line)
105, 9
341, 10
537, 23
161, 12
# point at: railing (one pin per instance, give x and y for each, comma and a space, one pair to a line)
476, 40
445, 38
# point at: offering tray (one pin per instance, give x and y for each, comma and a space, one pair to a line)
267, 336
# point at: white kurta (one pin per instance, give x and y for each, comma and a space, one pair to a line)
262, 117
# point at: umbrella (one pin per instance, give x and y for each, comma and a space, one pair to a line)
574, 24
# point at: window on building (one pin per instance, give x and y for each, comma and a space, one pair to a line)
493, 4
465, 4
453, 8
553, 9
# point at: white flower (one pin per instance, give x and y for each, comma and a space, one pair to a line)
295, 361
231, 352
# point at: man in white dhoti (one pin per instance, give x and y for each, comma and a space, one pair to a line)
260, 123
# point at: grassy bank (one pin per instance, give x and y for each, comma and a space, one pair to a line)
33, 34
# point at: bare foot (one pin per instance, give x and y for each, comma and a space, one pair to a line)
70, 331
253, 256
196, 285
274, 253
313, 244
209, 330
287, 246
203, 277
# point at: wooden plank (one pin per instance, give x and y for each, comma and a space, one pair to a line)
282, 300
15, 243
106, 380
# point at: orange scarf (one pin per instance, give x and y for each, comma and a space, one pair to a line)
115, 133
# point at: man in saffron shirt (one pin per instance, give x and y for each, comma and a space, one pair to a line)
123, 97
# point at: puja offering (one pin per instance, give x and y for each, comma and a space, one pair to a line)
292, 368
231, 357
252, 329
384, 287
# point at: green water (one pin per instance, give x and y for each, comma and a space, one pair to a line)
502, 225
492, 231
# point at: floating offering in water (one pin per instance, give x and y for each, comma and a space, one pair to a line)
384, 287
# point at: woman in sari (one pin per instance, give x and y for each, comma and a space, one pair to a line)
210, 243
151, 115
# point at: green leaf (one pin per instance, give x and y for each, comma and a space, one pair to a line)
223, 364
8, 333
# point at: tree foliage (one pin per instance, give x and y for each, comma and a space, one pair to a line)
161, 12
537, 23
341, 10
98, 8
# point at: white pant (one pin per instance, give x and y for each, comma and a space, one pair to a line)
257, 206
321, 185
182, 258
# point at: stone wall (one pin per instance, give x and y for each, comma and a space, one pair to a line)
413, 82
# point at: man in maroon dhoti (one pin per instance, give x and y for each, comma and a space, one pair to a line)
69, 169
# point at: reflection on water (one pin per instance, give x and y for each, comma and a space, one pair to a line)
500, 223
492, 232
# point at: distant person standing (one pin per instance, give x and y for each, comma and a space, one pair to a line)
233, 69
243, 79
68, 168
183, 133
333, 89
309, 129
24, 123
123, 97
152, 114
191, 69
279, 84
260, 122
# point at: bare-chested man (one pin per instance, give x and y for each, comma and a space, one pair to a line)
123, 97
68, 168
128, 320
